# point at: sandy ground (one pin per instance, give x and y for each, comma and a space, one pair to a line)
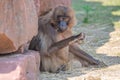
103, 43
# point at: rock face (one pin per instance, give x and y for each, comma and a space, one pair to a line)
18, 24
45, 5
20, 66
37, 5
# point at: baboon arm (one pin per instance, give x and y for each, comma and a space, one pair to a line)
63, 43
75, 50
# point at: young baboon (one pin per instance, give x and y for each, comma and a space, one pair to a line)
55, 41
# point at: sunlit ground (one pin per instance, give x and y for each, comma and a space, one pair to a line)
101, 74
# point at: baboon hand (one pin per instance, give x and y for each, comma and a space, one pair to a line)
81, 36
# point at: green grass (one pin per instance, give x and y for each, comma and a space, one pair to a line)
102, 12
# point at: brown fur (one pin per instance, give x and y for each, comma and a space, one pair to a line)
58, 58
52, 62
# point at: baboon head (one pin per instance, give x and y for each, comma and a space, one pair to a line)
62, 18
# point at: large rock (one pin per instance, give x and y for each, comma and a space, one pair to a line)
37, 5
18, 24
46, 5
20, 66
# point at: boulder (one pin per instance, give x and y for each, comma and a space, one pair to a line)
45, 5
20, 66
18, 24
37, 5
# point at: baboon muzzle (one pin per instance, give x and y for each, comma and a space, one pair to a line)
62, 26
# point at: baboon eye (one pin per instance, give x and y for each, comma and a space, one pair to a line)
59, 17
62, 17
67, 19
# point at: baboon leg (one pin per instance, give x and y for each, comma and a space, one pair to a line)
83, 62
82, 55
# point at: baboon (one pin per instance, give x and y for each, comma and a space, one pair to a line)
55, 41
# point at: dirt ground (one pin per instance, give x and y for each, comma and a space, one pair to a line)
103, 43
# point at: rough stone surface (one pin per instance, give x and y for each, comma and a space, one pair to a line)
18, 24
20, 66
45, 5
37, 5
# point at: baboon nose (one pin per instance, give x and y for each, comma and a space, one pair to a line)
62, 26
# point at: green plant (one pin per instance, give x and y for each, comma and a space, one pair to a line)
87, 10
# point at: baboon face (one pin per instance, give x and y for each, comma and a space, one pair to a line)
61, 18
